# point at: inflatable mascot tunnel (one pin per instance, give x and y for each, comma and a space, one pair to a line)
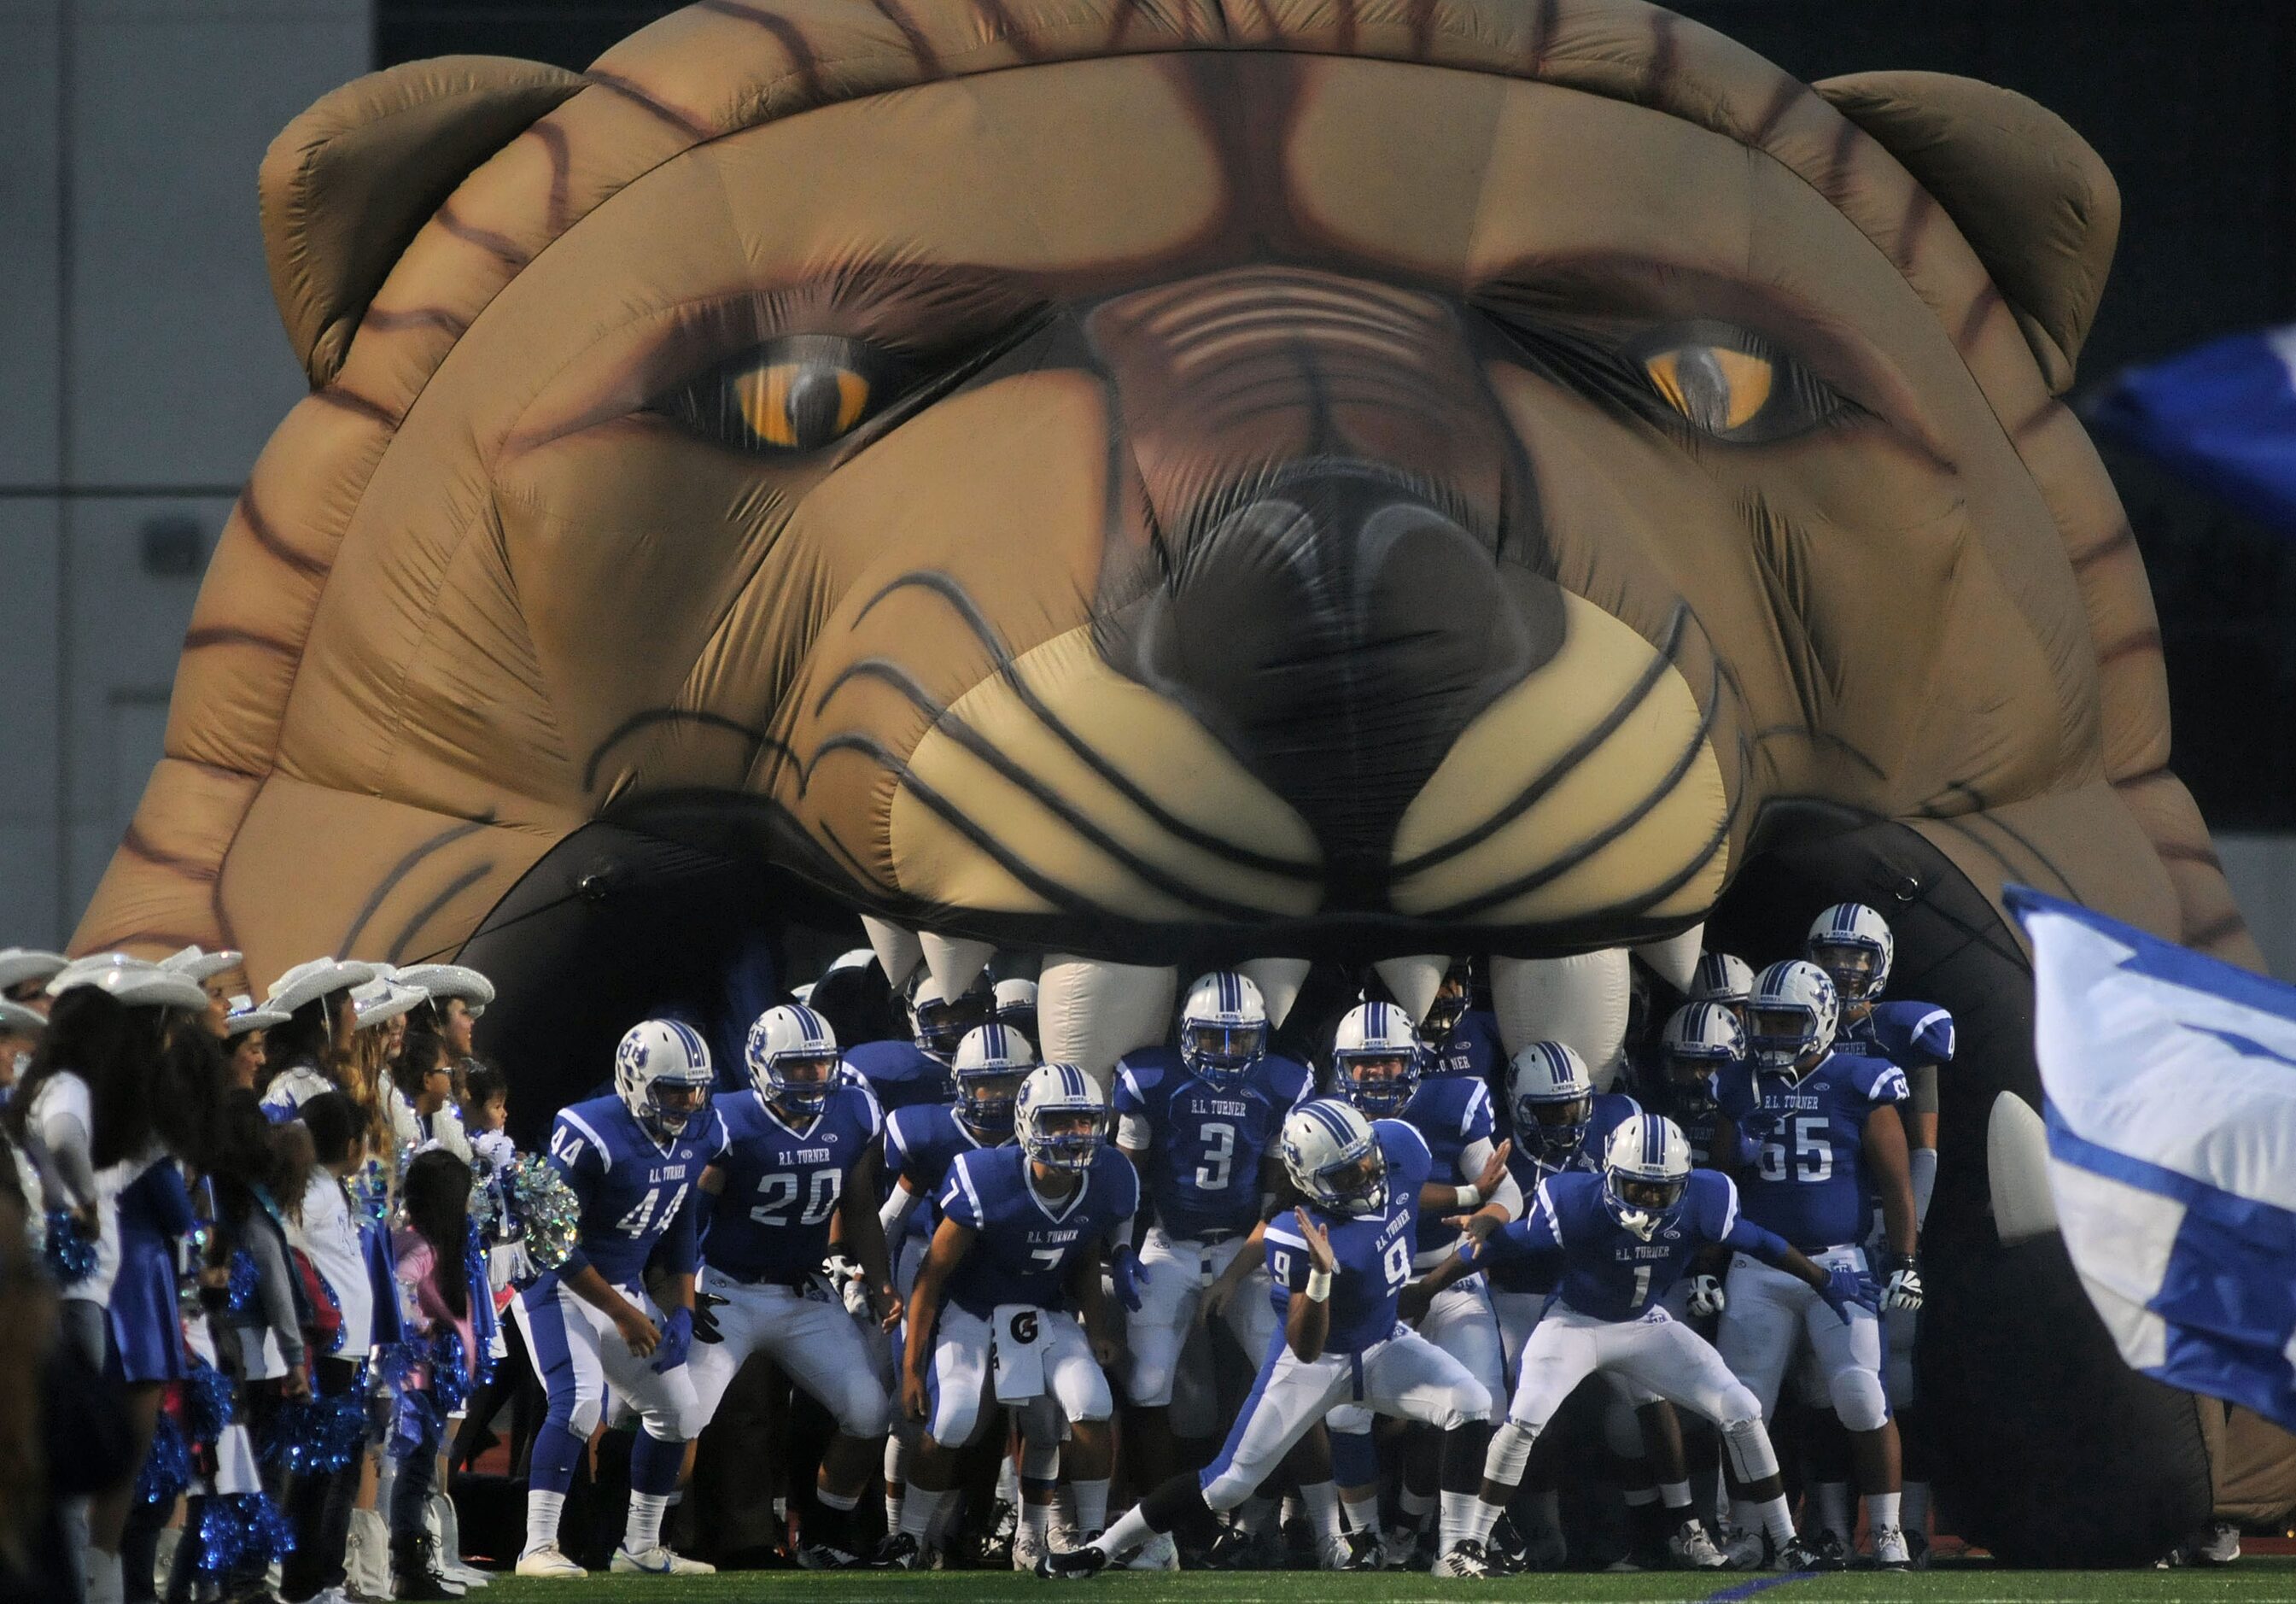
1215, 479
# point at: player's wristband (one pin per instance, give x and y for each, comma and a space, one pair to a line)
1470, 1197
1319, 1286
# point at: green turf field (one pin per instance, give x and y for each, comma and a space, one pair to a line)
2256, 1579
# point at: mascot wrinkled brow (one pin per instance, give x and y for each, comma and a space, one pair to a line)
1150, 483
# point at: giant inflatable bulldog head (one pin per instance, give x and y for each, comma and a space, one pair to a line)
1306, 478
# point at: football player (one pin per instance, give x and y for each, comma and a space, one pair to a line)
1337, 1266
904, 1074
801, 1151
1723, 979
1562, 1123
1376, 1064
1808, 1129
635, 1160
922, 1141
1462, 1039
1621, 1239
1200, 1121
1856, 947
1016, 1007
1701, 1040
1013, 1284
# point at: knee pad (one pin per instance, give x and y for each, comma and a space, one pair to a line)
951, 1424
575, 1413
1471, 1401
1858, 1400
1355, 1459
1148, 1383
1747, 1444
864, 1411
1509, 1454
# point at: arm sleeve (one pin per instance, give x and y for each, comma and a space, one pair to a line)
899, 1204
1536, 1236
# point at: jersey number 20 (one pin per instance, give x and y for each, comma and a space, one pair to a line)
775, 1193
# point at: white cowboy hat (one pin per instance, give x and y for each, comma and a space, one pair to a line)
317, 978
131, 980
198, 965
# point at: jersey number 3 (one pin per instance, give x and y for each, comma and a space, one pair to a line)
1219, 1157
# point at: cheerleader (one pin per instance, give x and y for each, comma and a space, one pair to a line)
447, 1315
309, 1051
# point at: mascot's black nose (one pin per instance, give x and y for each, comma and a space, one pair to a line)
1337, 631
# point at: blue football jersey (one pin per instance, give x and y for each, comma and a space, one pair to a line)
1611, 1110
1802, 1142
1471, 1049
770, 1221
920, 1142
1204, 1145
633, 1190
1911, 1035
1699, 1116
901, 1073
1451, 1115
1026, 1247
1374, 1251
1606, 1270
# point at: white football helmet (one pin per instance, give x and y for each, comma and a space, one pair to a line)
1223, 1027
938, 1024
1793, 1013
658, 1057
1016, 1006
1552, 1096
1700, 1039
1721, 978
1853, 945
991, 1062
1333, 1156
1375, 1032
1645, 1170
1061, 1116
792, 1059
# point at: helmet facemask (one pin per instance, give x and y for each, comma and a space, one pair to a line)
1066, 1137
1854, 965
1378, 1080
669, 1107
1220, 1053
1355, 1185
1556, 1126
1643, 1203
985, 1099
940, 1027
799, 1082
1780, 1034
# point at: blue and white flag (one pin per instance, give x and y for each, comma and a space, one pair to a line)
2170, 1081
2222, 415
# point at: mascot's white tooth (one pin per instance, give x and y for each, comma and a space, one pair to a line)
2017, 1168
1580, 1002
1674, 960
1090, 1013
1279, 980
1413, 981
898, 949
954, 961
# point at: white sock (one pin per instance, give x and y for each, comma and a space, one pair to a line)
1881, 1510
1833, 1501
1127, 1533
917, 1512
844, 1503
542, 1511
1362, 1513
1918, 1508
1091, 1503
1676, 1495
1259, 1516
1771, 1517
1036, 1520
1415, 1507
105, 1584
1475, 1523
1323, 1501
1461, 1512
644, 1529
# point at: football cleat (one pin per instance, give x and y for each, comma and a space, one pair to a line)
549, 1561
1348, 1551
1397, 1545
898, 1552
1890, 1551
1466, 1561
1746, 1551
1159, 1553
658, 1562
1235, 1549
1918, 1547
1692, 1548
1795, 1555
1072, 1564
827, 1557
1027, 1547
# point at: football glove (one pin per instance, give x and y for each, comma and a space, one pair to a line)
1844, 1287
1130, 1276
706, 1305
1706, 1297
1903, 1290
676, 1341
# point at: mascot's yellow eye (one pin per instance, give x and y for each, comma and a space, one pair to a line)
795, 394
1719, 389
